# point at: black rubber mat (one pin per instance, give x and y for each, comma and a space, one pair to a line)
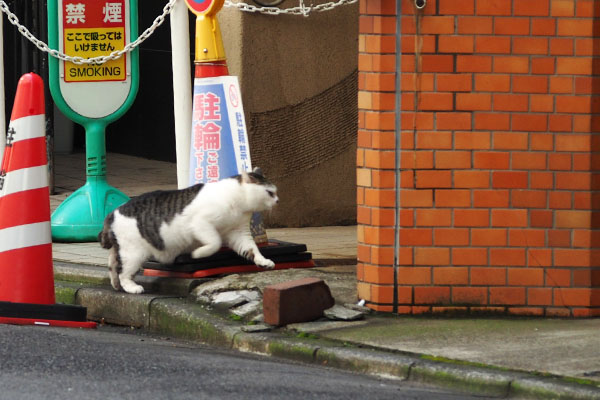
43, 311
278, 251
198, 265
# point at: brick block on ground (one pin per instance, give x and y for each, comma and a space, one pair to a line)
300, 300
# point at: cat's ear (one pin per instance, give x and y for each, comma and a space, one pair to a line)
258, 171
245, 177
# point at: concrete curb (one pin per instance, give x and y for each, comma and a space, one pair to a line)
97, 276
178, 317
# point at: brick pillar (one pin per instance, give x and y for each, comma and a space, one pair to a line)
376, 153
494, 206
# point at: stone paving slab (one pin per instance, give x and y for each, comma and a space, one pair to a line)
555, 346
92, 254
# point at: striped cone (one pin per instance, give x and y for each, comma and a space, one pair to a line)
26, 272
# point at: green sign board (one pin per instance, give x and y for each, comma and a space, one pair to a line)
92, 95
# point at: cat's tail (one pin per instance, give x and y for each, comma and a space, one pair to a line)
105, 237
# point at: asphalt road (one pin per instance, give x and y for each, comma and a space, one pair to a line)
119, 363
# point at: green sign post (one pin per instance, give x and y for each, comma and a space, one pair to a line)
92, 95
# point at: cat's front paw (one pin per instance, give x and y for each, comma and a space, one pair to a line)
131, 287
266, 264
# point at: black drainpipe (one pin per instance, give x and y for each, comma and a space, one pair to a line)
398, 128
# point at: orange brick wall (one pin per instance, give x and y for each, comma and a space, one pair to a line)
496, 195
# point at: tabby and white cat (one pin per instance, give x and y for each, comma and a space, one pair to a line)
196, 220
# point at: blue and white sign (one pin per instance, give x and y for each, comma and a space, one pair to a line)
219, 147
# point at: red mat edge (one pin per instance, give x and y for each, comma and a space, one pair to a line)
232, 269
48, 322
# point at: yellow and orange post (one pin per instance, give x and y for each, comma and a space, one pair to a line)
209, 57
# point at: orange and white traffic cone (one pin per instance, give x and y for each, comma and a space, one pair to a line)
26, 272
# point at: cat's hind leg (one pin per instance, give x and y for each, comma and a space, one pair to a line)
210, 239
114, 267
241, 242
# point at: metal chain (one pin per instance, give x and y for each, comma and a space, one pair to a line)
12, 18
301, 9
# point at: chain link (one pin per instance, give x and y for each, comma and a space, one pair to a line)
12, 18
301, 9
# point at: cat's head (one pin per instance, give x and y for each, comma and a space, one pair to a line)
261, 194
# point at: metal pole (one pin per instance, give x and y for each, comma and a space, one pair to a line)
2, 109
182, 89
42, 66
24, 43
